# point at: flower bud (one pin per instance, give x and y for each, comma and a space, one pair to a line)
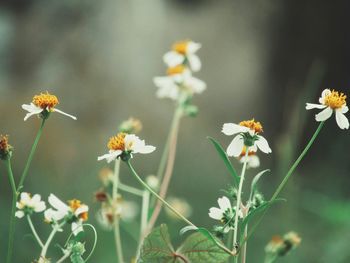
5, 148
131, 125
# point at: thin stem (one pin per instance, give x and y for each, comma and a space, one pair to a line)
31, 155
130, 189
239, 198
285, 179
63, 258
158, 197
49, 239
34, 231
144, 212
118, 242
13, 211
169, 169
244, 248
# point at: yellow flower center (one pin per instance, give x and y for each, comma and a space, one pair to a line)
179, 69
45, 100
244, 151
4, 142
117, 142
335, 99
74, 205
253, 125
181, 47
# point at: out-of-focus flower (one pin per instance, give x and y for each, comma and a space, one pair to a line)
74, 213
184, 52
42, 105
280, 246
101, 196
180, 205
331, 101
126, 144
131, 125
106, 176
247, 136
252, 159
179, 81
5, 148
27, 205
152, 181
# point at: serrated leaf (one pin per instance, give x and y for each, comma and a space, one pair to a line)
255, 182
157, 247
199, 248
226, 160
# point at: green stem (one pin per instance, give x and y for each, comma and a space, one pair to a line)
130, 189
13, 211
118, 242
31, 155
239, 198
144, 212
63, 258
49, 239
34, 232
158, 197
285, 179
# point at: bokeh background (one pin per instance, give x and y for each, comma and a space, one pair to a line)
261, 59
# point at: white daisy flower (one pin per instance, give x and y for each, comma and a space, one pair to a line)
125, 143
331, 101
43, 103
247, 136
28, 205
75, 213
183, 52
178, 81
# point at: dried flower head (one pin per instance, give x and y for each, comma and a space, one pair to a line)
5, 148
131, 125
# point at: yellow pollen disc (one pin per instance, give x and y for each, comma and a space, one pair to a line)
253, 125
335, 99
181, 47
4, 142
176, 70
74, 205
117, 142
45, 100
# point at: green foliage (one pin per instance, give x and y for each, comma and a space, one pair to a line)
198, 247
226, 160
255, 182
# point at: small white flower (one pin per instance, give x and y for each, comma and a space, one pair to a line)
128, 143
28, 205
182, 53
77, 212
41, 103
174, 85
246, 129
331, 101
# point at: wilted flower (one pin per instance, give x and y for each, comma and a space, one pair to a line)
280, 246
43, 104
131, 125
180, 205
224, 213
27, 205
247, 136
124, 145
331, 101
252, 159
106, 176
5, 148
183, 52
74, 213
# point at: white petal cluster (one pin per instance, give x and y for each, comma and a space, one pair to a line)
60, 210
236, 147
35, 110
28, 205
327, 110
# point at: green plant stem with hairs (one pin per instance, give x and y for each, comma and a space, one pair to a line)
286, 178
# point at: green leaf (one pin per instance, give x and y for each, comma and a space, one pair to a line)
157, 247
75, 258
256, 211
226, 160
255, 182
199, 248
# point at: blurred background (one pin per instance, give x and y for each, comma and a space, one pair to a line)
262, 59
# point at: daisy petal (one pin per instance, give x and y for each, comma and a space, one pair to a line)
310, 106
195, 63
236, 146
215, 213
19, 214
57, 203
232, 128
77, 228
66, 114
341, 119
173, 58
224, 203
263, 145
344, 109
324, 115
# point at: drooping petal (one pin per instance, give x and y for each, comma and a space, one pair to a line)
193, 47
19, 214
344, 109
324, 93
41, 206
173, 58
232, 128
65, 114
341, 119
32, 110
49, 214
195, 85
195, 63
310, 106
324, 115
263, 145
57, 203
254, 161
111, 156
224, 203
215, 213
81, 209
77, 227
236, 146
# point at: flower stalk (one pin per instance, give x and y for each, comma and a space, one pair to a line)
34, 232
